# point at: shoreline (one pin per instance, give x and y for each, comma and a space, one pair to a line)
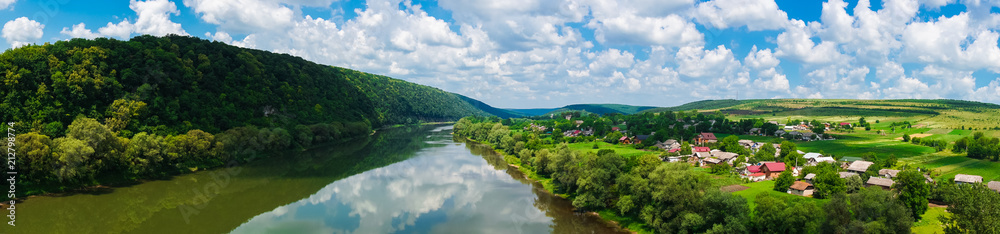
527, 176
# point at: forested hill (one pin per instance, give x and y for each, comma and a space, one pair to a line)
169, 85
590, 108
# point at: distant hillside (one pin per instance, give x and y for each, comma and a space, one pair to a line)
502, 113
172, 84
940, 113
589, 108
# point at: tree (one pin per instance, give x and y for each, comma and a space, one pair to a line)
785, 180
685, 148
976, 209
828, 184
854, 184
765, 153
788, 147
913, 191
74, 163
122, 111
906, 137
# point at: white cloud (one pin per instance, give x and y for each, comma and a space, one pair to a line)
220, 37
80, 31
671, 30
761, 59
988, 93
771, 80
243, 15
22, 31
696, 62
6, 3
153, 19
796, 43
754, 14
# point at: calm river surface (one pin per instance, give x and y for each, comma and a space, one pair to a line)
401, 180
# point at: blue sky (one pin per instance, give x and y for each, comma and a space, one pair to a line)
549, 53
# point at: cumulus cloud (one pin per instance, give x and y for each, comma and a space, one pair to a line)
153, 18
243, 15
4, 4
671, 30
22, 31
796, 43
754, 14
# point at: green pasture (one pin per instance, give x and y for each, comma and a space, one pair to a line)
767, 186
622, 150
931, 222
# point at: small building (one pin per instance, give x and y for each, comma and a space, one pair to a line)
859, 167
809, 177
757, 177
888, 173
773, 169
968, 179
883, 183
624, 140
725, 156
801, 188
845, 124
615, 129
703, 154
845, 174
706, 137
674, 150
713, 161
701, 149
816, 161
779, 133
811, 155
668, 145
640, 138
752, 170
994, 185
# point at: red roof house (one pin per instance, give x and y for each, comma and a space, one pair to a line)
773, 169
753, 169
674, 150
701, 149
706, 137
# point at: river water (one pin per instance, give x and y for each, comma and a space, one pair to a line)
401, 180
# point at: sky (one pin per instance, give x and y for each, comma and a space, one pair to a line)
550, 53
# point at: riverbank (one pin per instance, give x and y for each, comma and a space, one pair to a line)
629, 224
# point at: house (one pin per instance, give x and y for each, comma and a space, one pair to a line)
801, 188
616, 129
808, 156
757, 177
968, 179
994, 185
845, 174
668, 145
754, 131
674, 159
859, 167
624, 140
746, 143
706, 137
703, 154
751, 170
883, 183
674, 150
809, 177
713, 161
779, 133
929, 180
816, 161
640, 138
808, 136
773, 122
773, 169
888, 173
845, 124
701, 149
579, 122
726, 157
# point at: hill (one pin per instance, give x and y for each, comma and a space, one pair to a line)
589, 108
169, 85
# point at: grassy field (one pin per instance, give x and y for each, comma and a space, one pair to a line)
622, 150
930, 222
767, 186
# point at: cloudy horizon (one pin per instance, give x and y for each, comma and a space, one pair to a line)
541, 54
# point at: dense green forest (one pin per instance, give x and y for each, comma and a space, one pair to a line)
96, 111
600, 109
173, 84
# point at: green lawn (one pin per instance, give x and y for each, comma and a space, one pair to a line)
622, 150
767, 186
930, 222
856, 144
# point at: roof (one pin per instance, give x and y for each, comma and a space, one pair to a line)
825, 159
968, 178
701, 149
703, 154
892, 173
725, 155
811, 155
880, 181
800, 185
810, 176
615, 128
713, 160
775, 167
845, 174
670, 142
860, 166
674, 150
623, 138
757, 174
707, 136
844, 123
753, 169
994, 185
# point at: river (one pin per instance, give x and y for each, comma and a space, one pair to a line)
401, 180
